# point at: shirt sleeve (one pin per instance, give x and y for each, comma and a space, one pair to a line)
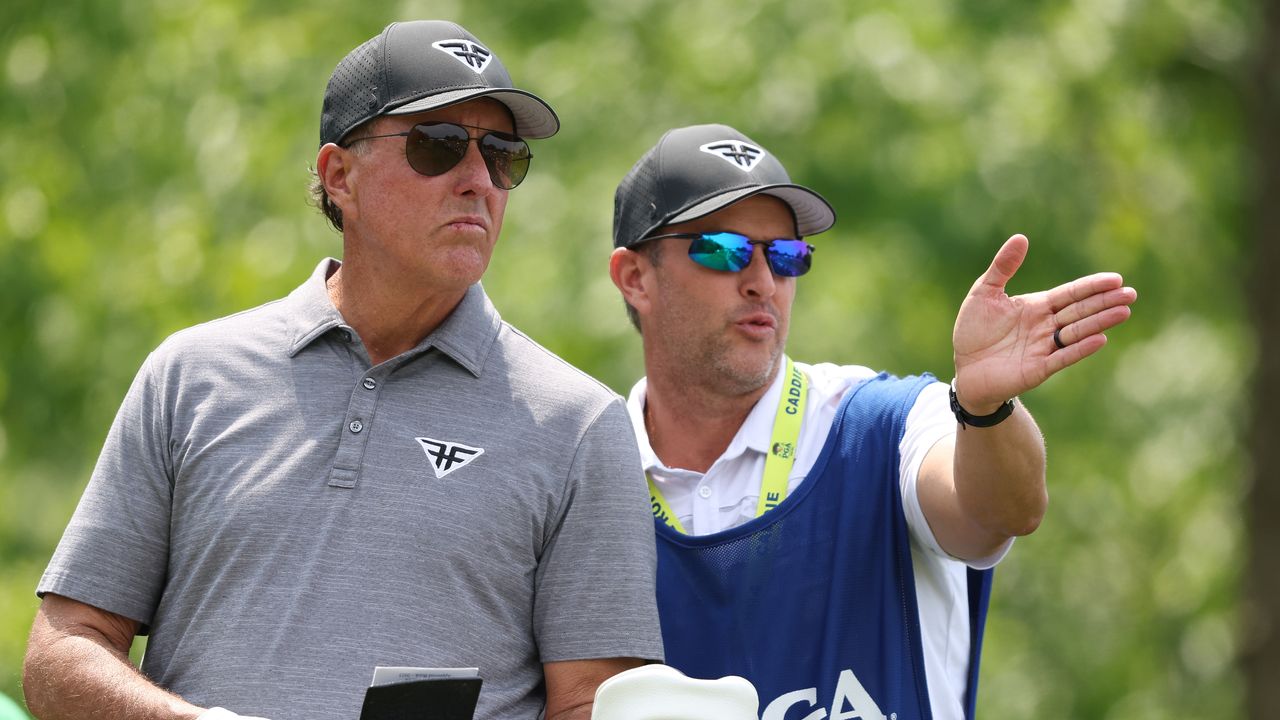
114, 552
929, 421
594, 588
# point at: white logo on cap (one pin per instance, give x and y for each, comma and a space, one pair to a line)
741, 155
472, 54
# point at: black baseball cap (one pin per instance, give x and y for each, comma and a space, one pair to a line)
423, 65
697, 170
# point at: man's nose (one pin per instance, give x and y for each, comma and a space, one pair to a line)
472, 171
757, 277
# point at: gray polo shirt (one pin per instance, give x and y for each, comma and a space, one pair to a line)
283, 517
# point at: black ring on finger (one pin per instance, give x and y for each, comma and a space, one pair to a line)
1057, 339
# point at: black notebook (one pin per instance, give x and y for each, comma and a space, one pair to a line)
434, 699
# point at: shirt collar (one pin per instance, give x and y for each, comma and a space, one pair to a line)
756, 432
467, 335
309, 310
635, 408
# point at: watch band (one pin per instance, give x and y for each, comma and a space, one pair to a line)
965, 419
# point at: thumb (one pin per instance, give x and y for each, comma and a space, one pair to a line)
1006, 262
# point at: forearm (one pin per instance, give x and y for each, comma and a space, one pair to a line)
581, 712
991, 485
1000, 475
74, 673
571, 684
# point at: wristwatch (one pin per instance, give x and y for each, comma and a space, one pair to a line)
964, 418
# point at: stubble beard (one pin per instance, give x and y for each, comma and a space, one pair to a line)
737, 373
712, 359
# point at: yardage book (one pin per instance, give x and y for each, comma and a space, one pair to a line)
411, 693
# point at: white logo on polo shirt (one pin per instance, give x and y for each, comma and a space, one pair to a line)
472, 54
448, 456
743, 156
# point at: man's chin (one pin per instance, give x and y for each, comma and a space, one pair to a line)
747, 370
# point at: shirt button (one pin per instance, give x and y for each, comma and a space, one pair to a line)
356, 426
704, 492
346, 335
370, 383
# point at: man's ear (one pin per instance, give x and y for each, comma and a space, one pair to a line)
334, 166
632, 273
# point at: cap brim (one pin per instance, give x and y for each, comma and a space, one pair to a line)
534, 118
813, 213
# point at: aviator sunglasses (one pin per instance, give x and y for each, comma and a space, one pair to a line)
732, 252
435, 148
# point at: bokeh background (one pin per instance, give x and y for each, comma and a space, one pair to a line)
154, 160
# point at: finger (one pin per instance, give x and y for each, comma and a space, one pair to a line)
1093, 305
1074, 353
1081, 288
1006, 262
1094, 325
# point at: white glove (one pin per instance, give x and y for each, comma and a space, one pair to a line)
660, 692
217, 713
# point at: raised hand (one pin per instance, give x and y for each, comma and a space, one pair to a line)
1006, 345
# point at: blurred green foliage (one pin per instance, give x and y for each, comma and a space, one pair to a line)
153, 167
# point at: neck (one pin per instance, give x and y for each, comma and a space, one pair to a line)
690, 426
389, 319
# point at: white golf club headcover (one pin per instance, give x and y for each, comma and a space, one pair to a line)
660, 692
218, 713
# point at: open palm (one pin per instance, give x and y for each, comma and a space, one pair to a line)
1004, 345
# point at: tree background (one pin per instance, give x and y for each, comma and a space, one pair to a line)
154, 159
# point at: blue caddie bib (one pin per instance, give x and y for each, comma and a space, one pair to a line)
814, 601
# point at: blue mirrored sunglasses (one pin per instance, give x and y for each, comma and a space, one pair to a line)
732, 252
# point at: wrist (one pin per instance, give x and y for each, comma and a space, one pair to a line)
979, 415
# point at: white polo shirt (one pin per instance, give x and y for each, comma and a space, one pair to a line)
726, 496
